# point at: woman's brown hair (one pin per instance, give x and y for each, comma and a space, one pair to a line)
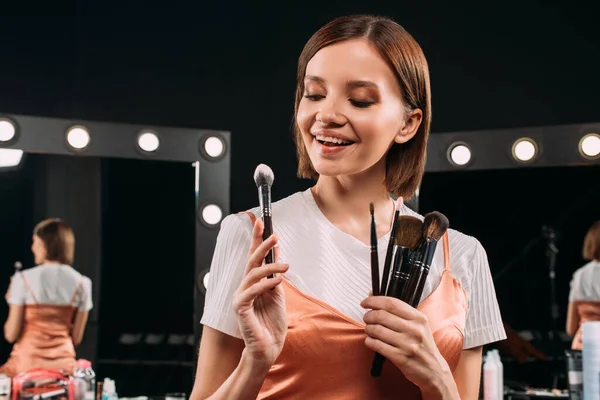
591, 243
405, 163
58, 239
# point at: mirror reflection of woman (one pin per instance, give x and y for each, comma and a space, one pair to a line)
584, 298
48, 304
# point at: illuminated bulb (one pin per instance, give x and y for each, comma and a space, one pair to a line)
524, 149
148, 141
212, 214
78, 138
460, 154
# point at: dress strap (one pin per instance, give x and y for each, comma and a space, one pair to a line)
28, 287
77, 290
250, 215
446, 245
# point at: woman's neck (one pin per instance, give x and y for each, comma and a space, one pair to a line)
345, 201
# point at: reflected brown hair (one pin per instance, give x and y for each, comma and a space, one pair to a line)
58, 239
405, 163
591, 243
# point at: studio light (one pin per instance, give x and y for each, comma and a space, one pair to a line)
7, 130
212, 214
589, 146
213, 147
459, 154
78, 137
524, 149
205, 279
148, 141
10, 157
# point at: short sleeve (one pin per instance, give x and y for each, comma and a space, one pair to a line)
484, 322
85, 299
17, 292
226, 273
575, 292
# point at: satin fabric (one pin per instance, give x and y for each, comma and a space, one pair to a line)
45, 340
587, 311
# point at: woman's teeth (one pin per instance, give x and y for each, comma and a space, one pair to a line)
331, 141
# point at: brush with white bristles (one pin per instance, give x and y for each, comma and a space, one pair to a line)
264, 177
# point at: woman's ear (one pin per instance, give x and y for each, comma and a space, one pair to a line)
410, 127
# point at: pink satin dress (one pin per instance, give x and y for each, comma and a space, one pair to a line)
45, 340
588, 311
325, 357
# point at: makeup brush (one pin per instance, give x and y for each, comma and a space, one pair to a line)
435, 224
264, 177
374, 255
408, 235
390, 249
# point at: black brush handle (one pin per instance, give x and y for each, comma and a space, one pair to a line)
388, 254
374, 270
416, 268
424, 274
267, 232
395, 283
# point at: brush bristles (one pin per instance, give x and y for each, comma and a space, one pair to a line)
409, 232
435, 225
263, 175
371, 209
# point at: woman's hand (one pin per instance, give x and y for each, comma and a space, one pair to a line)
259, 302
402, 334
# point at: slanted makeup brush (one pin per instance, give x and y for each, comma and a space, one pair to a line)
435, 225
374, 255
409, 235
390, 249
264, 177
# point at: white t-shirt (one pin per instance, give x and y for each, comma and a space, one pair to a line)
334, 267
53, 284
585, 285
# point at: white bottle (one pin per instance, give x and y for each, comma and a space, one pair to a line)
109, 390
490, 377
500, 375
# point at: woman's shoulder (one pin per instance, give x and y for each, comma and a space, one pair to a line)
462, 245
284, 211
588, 268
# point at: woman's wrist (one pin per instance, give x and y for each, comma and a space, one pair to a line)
254, 368
441, 387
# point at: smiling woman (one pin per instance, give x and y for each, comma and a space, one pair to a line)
362, 116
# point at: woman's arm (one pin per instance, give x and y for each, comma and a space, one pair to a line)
223, 371
14, 323
468, 373
572, 319
79, 324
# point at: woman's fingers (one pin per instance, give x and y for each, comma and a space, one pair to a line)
259, 273
257, 257
245, 298
257, 232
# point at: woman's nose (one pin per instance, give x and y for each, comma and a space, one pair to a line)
329, 113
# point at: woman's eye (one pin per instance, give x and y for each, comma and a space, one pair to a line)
314, 97
361, 104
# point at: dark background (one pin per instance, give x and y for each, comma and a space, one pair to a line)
231, 66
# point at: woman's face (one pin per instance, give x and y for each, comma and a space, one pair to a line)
39, 250
351, 111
